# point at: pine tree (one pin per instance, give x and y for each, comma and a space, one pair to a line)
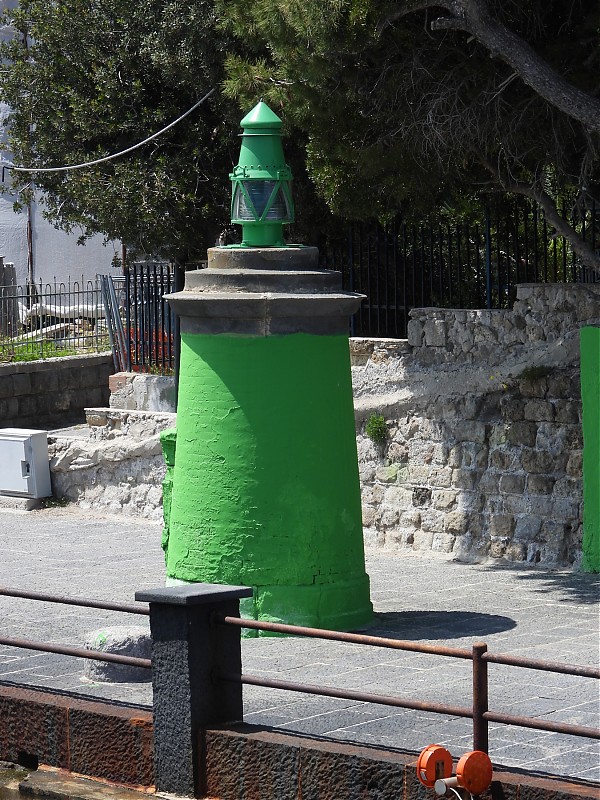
407, 106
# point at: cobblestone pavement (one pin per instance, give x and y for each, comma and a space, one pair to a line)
518, 610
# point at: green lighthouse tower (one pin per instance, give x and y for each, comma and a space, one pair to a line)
264, 488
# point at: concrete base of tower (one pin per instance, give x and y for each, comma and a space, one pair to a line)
343, 605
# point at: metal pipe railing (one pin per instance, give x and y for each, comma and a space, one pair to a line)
480, 698
341, 636
400, 644
128, 608
479, 737
545, 666
66, 650
479, 713
78, 652
347, 694
542, 725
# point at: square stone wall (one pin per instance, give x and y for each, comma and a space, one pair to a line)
53, 392
483, 455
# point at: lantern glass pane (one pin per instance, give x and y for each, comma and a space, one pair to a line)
259, 193
241, 210
284, 212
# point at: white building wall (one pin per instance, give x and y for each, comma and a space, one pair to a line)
55, 253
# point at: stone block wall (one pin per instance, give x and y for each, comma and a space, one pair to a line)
483, 456
118, 468
134, 391
53, 392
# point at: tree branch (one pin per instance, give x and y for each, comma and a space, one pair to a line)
409, 7
449, 24
473, 17
581, 247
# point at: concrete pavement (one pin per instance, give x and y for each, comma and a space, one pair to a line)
533, 613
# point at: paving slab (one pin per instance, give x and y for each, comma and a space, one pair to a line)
537, 613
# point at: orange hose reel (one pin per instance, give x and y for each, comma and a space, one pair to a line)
474, 771
434, 762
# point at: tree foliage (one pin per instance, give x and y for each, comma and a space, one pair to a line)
86, 79
390, 106
410, 104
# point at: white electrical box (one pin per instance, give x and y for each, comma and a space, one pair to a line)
24, 463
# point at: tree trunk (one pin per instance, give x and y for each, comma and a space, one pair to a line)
589, 257
472, 16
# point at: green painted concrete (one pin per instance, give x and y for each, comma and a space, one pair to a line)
168, 440
590, 395
265, 488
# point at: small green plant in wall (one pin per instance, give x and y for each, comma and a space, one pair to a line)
535, 373
376, 429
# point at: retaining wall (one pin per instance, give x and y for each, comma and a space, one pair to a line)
483, 456
53, 392
114, 743
133, 391
119, 468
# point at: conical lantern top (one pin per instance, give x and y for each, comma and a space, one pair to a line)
261, 116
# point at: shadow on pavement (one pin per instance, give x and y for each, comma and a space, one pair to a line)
437, 624
574, 587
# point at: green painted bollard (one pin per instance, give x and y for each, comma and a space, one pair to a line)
590, 396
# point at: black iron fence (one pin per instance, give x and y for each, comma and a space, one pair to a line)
472, 263
475, 263
44, 320
142, 327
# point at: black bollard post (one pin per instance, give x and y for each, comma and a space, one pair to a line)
188, 653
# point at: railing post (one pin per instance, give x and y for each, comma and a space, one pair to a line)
480, 697
188, 652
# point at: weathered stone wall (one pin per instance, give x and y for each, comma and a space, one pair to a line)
484, 448
118, 469
483, 457
140, 392
53, 392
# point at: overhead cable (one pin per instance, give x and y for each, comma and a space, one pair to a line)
7, 165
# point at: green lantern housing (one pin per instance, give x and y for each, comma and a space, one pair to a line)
261, 199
